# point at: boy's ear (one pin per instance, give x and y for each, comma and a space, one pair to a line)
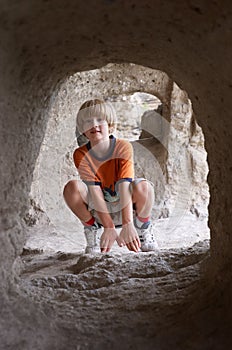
111, 129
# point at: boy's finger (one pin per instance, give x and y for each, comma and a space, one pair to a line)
106, 246
132, 246
104, 250
138, 243
120, 241
135, 245
103, 247
129, 246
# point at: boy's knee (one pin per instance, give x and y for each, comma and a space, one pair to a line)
143, 187
70, 187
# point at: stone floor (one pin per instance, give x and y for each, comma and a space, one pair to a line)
117, 300
122, 299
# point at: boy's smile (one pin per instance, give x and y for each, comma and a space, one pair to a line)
96, 130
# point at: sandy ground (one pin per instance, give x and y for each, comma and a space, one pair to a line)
174, 232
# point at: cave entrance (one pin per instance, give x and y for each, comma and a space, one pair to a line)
157, 117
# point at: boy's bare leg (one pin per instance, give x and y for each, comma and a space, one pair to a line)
143, 198
75, 196
143, 195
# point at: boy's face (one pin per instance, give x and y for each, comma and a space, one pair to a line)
96, 129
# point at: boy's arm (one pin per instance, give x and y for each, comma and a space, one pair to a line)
128, 233
110, 234
126, 202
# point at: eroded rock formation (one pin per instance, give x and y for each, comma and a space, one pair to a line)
169, 152
43, 43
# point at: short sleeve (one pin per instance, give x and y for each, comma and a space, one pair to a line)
85, 168
126, 164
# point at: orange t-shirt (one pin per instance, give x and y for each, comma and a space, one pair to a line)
116, 166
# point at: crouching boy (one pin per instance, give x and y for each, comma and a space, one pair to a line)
108, 196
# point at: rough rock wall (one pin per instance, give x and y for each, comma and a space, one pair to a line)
43, 42
187, 167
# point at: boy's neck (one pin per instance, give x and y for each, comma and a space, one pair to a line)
101, 148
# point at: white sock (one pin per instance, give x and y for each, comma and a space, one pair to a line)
138, 223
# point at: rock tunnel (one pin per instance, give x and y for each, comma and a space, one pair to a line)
43, 43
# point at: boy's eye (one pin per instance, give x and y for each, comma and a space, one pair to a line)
90, 122
99, 120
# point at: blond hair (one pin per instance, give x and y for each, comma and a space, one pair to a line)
99, 108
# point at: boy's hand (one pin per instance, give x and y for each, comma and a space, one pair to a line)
107, 239
130, 237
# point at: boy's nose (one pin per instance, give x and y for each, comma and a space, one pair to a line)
95, 123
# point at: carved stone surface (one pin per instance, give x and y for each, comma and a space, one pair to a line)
42, 44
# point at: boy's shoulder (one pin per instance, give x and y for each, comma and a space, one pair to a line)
80, 151
121, 143
123, 148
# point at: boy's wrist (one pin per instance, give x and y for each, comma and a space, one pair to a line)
108, 226
106, 220
127, 222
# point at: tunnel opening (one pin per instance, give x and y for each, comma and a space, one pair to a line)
108, 292
42, 42
157, 117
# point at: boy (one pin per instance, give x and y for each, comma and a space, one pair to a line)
107, 193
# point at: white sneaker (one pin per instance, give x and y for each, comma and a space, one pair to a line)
147, 238
92, 238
